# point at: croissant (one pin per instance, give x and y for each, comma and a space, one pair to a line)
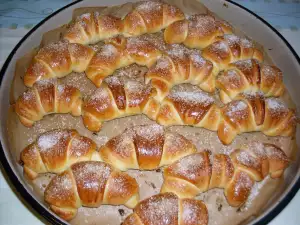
90, 184
46, 98
146, 17
145, 147
57, 60
167, 208
252, 112
54, 151
150, 17
236, 173
179, 66
188, 106
249, 76
117, 98
228, 49
199, 31
120, 52
92, 27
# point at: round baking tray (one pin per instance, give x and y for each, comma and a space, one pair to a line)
222, 8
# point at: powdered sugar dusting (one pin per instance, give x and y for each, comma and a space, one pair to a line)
149, 132
163, 63
236, 108
177, 50
271, 72
148, 6
202, 24
50, 139
60, 187
276, 105
197, 59
195, 96
108, 50
246, 43
80, 146
245, 158
91, 175
160, 209
100, 93
232, 39
244, 64
220, 46
189, 166
243, 184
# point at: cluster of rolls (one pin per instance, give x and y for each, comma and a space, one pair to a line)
201, 50
227, 63
88, 177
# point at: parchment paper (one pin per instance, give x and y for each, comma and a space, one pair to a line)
150, 182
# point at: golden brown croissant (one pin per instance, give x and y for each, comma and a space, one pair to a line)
58, 60
198, 31
120, 52
146, 17
249, 76
180, 65
167, 208
45, 98
145, 147
150, 17
236, 173
252, 112
90, 184
55, 151
188, 106
92, 27
114, 99
228, 49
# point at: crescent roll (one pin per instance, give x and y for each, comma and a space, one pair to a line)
167, 208
249, 76
199, 31
55, 151
90, 184
145, 147
236, 173
46, 98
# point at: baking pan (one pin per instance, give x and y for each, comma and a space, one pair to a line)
280, 51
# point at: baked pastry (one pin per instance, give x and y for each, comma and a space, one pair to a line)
167, 208
145, 147
146, 17
55, 151
46, 98
90, 28
252, 112
180, 65
249, 76
199, 31
150, 17
188, 105
57, 60
119, 52
235, 173
228, 49
90, 184
117, 98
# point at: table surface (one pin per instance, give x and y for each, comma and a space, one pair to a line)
17, 17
